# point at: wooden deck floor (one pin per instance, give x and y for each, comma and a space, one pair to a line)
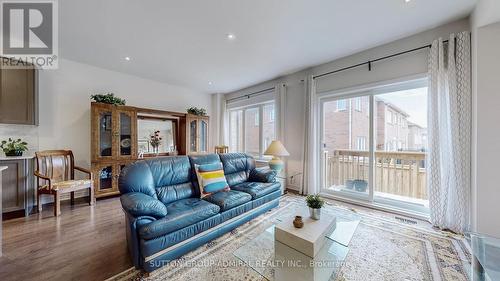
84, 243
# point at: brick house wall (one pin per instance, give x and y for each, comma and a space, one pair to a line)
392, 131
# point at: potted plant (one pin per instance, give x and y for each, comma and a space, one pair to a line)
360, 185
315, 203
197, 111
14, 147
108, 98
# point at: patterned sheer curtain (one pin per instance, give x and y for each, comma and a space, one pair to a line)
449, 116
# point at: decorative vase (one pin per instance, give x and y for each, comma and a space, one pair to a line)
315, 213
11, 153
156, 151
297, 222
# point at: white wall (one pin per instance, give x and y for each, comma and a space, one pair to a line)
402, 66
486, 105
64, 96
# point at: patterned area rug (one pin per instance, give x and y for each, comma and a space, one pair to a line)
382, 248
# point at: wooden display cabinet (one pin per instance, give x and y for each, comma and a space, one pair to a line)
106, 177
196, 134
115, 144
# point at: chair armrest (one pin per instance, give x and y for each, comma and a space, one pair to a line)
83, 170
49, 180
262, 175
139, 204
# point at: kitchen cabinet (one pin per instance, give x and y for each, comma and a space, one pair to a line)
17, 186
19, 96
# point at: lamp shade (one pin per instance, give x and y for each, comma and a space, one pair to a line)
276, 148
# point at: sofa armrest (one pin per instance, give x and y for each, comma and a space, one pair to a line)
132, 224
139, 204
262, 175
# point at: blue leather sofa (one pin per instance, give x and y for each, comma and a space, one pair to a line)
165, 217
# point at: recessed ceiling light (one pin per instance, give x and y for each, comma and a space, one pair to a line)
230, 36
127, 58
210, 82
407, 1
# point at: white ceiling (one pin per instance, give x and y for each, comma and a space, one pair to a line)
184, 42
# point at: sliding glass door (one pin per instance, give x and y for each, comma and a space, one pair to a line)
374, 146
345, 143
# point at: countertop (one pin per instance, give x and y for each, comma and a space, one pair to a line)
3, 168
24, 157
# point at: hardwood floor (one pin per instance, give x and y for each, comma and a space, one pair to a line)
84, 243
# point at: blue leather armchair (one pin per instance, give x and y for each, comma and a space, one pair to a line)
165, 217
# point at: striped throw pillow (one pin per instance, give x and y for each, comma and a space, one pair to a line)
211, 178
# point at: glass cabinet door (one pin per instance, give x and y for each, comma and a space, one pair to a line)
105, 180
124, 135
193, 135
203, 136
105, 131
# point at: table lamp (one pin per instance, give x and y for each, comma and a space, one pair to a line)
277, 150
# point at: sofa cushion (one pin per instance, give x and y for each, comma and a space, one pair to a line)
257, 189
262, 175
180, 214
236, 211
147, 176
237, 167
266, 198
152, 246
228, 199
170, 170
171, 193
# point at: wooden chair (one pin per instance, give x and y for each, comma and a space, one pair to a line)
221, 149
55, 172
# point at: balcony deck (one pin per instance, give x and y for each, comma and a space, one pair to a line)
398, 175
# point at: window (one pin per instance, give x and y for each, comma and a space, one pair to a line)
268, 128
236, 130
341, 105
252, 131
357, 103
271, 114
251, 128
361, 143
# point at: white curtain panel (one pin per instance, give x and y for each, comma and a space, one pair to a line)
449, 115
224, 121
310, 184
279, 110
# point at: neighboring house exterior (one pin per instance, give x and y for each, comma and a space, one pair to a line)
417, 137
346, 126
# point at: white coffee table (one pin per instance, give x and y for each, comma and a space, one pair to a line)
304, 252
310, 238
274, 260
